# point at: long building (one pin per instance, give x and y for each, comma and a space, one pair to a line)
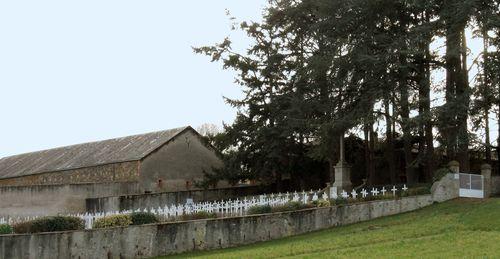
170, 160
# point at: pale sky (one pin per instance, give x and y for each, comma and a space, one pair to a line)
79, 71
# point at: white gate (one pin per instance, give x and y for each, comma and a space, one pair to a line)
471, 186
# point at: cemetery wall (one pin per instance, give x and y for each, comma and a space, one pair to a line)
171, 238
54, 199
495, 185
446, 189
155, 200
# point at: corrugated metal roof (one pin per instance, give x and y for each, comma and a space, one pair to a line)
123, 149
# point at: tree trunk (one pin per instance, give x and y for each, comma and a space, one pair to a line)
389, 144
463, 96
426, 138
486, 92
369, 144
487, 137
405, 125
374, 176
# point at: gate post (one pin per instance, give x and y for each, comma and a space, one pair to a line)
486, 173
454, 166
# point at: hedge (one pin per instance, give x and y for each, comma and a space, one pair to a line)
113, 221
5, 229
199, 215
141, 218
259, 209
50, 224
291, 206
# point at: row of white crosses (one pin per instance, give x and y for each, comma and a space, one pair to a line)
222, 208
364, 193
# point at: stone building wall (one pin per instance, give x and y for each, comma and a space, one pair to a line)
177, 165
23, 201
118, 172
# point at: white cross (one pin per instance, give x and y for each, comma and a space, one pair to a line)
383, 191
325, 196
315, 196
344, 194
405, 188
364, 193
394, 189
354, 194
374, 192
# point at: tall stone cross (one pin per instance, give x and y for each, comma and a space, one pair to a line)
342, 170
342, 155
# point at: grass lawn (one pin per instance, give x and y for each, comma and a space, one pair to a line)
459, 228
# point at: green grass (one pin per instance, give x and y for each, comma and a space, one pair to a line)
459, 228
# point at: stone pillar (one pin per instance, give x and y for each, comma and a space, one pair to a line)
486, 173
454, 166
342, 172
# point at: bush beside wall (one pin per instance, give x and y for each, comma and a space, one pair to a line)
292, 206
199, 215
49, 224
259, 209
5, 229
141, 218
113, 221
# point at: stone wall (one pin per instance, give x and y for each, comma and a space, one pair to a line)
54, 199
170, 238
118, 172
177, 165
495, 185
447, 188
155, 200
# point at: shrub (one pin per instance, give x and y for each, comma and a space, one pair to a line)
50, 224
23, 227
5, 229
113, 221
259, 209
292, 206
199, 215
341, 201
141, 218
419, 191
321, 203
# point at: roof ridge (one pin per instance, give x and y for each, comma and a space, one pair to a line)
89, 154
96, 141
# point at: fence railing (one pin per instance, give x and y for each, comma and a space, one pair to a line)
232, 207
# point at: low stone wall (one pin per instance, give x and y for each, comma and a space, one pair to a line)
170, 238
154, 200
495, 185
53, 199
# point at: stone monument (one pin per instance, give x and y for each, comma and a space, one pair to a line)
342, 172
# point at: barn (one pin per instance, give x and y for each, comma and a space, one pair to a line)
170, 160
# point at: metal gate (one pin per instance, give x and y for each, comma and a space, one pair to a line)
471, 186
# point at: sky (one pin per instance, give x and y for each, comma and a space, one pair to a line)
80, 71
